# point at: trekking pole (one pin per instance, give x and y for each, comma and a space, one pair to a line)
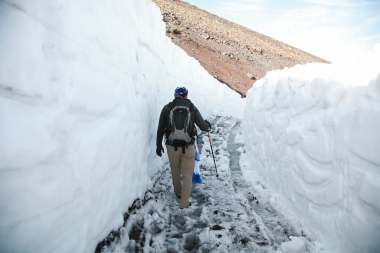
212, 151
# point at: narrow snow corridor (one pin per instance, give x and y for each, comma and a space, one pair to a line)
82, 85
227, 213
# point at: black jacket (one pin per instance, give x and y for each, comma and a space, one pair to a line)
162, 124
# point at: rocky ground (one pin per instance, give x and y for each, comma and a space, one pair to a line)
228, 214
233, 54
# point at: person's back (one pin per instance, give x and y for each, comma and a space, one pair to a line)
177, 121
180, 127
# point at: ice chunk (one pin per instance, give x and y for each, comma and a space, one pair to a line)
296, 245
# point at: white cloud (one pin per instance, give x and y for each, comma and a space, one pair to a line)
343, 3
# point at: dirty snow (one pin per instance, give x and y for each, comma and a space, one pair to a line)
227, 213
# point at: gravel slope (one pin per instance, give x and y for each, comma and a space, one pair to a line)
233, 54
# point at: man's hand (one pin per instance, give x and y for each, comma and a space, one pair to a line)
209, 125
159, 149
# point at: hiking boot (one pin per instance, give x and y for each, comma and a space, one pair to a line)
187, 206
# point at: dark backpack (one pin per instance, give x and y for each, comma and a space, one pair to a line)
181, 127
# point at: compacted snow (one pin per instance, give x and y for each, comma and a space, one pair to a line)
82, 84
311, 134
227, 213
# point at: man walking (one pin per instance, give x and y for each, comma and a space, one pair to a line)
177, 123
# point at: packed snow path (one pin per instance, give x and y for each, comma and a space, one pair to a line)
227, 213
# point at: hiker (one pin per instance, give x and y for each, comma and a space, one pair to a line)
180, 138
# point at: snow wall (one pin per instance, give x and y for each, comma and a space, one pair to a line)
312, 134
82, 84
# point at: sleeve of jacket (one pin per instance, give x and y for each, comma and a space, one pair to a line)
161, 126
198, 119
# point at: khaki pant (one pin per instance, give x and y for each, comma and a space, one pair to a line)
182, 163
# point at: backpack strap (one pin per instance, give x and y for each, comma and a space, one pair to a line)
168, 123
183, 148
193, 109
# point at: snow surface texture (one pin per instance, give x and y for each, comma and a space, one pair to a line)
312, 135
82, 84
227, 213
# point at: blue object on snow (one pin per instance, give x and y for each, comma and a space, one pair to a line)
197, 173
197, 179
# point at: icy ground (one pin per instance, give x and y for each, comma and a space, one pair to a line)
228, 214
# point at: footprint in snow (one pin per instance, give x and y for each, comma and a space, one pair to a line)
228, 214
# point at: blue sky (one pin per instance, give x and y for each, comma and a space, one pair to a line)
336, 30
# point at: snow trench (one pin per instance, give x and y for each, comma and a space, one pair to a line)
82, 84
